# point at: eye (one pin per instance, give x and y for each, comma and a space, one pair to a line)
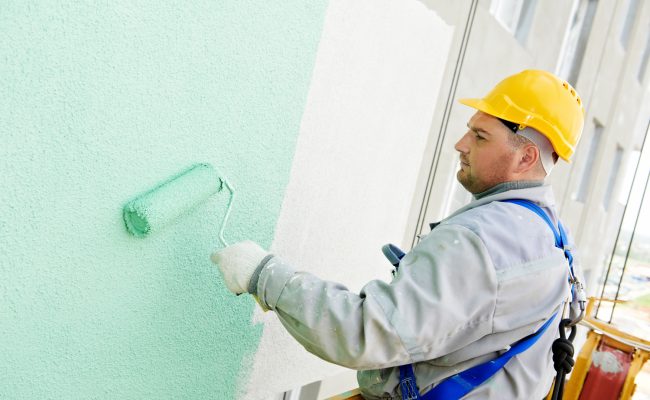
478, 136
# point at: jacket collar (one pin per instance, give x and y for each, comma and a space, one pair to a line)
504, 186
542, 195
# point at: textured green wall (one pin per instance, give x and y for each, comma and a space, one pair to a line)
99, 102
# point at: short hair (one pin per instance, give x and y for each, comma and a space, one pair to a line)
547, 156
518, 141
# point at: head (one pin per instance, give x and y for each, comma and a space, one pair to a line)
490, 153
522, 126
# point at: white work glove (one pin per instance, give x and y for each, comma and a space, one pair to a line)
237, 264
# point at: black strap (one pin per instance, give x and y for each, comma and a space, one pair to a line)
513, 126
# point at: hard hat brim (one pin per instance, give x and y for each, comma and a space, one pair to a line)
480, 105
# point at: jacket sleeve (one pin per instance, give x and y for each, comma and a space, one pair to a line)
442, 298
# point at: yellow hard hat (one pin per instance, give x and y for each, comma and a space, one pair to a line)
540, 100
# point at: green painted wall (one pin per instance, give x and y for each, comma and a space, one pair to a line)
99, 102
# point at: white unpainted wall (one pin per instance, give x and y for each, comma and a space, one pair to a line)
378, 71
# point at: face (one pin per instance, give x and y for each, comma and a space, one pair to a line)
486, 157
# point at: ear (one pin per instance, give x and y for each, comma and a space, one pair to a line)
528, 156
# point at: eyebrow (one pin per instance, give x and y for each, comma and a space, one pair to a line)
475, 129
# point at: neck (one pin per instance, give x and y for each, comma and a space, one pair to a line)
505, 186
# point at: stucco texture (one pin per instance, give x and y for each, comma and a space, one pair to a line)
364, 133
102, 101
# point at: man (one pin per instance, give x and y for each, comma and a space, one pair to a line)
486, 277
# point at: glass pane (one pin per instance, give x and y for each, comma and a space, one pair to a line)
628, 275
588, 167
629, 22
613, 175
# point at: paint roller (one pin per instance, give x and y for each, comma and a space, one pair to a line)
177, 196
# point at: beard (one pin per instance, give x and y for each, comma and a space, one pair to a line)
468, 181
478, 184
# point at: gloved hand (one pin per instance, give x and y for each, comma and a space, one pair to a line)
237, 264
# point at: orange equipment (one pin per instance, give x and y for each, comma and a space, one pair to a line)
608, 362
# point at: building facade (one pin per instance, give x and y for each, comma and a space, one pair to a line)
334, 121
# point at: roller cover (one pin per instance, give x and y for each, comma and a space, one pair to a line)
161, 205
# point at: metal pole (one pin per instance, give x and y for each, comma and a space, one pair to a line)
443, 127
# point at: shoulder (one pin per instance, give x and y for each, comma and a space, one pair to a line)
495, 218
512, 234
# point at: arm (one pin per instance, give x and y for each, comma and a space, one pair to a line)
442, 298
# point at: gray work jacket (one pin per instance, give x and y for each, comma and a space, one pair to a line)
484, 278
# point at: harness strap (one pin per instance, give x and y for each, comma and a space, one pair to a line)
457, 386
407, 383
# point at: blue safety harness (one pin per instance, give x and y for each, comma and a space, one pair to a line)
457, 386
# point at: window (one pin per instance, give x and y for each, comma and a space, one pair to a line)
576, 41
630, 166
588, 167
515, 15
613, 175
644, 60
632, 8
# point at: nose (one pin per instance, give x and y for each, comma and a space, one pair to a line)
462, 145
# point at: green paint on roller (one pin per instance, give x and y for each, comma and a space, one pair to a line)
173, 198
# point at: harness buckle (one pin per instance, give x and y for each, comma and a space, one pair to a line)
409, 390
578, 296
